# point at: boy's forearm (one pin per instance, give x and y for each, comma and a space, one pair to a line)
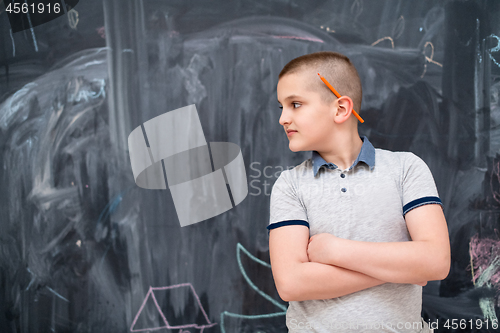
396, 262
312, 280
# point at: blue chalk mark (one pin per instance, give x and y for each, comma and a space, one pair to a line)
104, 256
102, 92
495, 49
31, 282
243, 272
58, 295
52, 290
13, 44
110, 208
240, 248
32, 279
31, 28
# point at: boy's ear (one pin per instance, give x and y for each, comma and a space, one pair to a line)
346, 103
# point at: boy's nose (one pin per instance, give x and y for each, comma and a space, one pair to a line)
284, 119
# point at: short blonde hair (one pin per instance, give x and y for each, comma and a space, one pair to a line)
336, 68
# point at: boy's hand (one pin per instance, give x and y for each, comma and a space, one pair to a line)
321, 248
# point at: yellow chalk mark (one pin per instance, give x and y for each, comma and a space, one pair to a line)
327, 28
429, 59
383, 38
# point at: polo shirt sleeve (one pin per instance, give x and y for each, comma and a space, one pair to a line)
418, 184
285, 207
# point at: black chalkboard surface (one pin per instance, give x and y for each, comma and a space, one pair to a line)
84, 249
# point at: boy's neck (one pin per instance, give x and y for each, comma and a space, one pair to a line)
344, 151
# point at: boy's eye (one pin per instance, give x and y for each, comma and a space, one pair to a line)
293, 103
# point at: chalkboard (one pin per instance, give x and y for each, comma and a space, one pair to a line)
84, 249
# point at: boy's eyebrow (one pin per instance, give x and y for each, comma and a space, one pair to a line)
290, 97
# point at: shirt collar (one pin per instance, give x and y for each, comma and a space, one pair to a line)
366, 154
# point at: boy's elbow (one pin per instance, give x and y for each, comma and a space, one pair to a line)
287, 290
284, 296
282, 292
292, 295
442, 268
288, 286
445, 269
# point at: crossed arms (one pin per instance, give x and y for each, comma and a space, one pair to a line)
325, 266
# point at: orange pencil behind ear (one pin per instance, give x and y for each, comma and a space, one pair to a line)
338, 96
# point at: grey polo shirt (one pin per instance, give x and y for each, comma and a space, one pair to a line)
366, 202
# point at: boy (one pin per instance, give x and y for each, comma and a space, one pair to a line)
354, 231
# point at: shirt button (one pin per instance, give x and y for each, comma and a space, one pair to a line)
343, 189
342, 175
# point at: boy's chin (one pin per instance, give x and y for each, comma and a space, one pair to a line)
295, 148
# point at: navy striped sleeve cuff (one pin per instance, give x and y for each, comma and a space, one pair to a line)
420, 202
288, 222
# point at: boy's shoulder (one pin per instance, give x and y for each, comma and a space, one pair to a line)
301, 169
292, 175
394, 159
393, 154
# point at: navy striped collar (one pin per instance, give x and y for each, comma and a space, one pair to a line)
366, 154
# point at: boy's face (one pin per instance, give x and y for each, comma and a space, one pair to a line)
304, 111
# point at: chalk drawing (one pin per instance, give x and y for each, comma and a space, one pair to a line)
327, 28
151, 294
381, 39
101, 229
102, 32
399, 27
239, 249
112, 205
57, 294
311, 39
356, 9
485, 267
31, 28
494, 49
50, 289
73, 18
494, 179
429, 59
13, 44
